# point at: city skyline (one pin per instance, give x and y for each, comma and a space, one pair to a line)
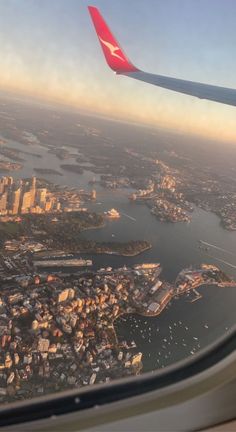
23, 196
41, 60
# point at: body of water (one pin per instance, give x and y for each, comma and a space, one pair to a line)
184, 327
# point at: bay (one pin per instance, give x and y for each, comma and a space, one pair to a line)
184, 327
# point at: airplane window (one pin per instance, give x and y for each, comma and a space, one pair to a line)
117, 190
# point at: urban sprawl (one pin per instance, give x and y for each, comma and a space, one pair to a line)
57, 331
58, 310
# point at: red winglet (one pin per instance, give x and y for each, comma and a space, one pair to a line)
113, 53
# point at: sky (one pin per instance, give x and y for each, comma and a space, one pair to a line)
49, 51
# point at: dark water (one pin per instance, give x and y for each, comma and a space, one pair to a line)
184, 327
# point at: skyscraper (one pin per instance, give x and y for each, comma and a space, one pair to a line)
2, 186
48, 204
3, 202
16, 201
26, 202
10, 181
33, 182
22, 196
41, 197
33, 191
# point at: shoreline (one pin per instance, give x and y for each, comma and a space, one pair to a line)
174, 295
129, 255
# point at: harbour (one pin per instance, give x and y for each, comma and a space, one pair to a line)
175, 247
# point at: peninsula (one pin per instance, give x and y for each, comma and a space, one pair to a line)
58, 332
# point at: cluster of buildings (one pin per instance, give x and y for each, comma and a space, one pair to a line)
174, 189
209, 274
167, 211
168, 182
165, 202
228, 216
114, 182
23, 196
26, 196
143, 194
58, 333
150, 295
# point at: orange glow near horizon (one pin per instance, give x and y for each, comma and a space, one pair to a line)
61, 61
131, 101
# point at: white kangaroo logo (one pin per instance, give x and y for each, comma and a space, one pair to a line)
112, 49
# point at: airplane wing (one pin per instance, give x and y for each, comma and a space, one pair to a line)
119, 62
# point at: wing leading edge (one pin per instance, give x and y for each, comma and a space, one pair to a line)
119, 62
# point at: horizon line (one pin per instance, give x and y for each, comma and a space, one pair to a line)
54, 103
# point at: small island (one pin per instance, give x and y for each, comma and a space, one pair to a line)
77, 169
48, 171
11, 153
60, 153
9, 166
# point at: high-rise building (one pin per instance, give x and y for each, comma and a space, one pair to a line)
3, 202
9, 181
48, 204
26, 202
33, 191
16, 201
33, 183
19, 183
41, 197
2, 186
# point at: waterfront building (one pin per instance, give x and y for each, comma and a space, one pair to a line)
154, 307
136, 359
112, 214
93, 194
